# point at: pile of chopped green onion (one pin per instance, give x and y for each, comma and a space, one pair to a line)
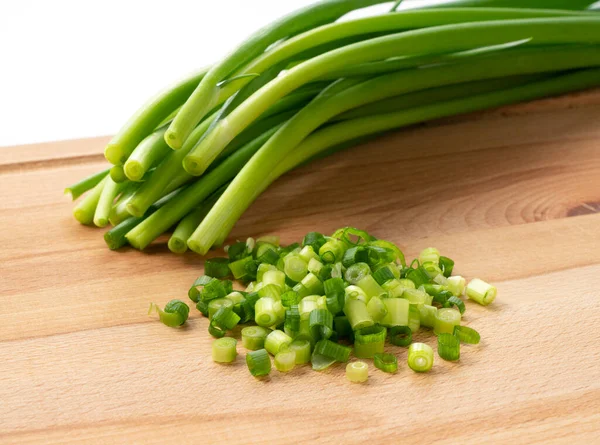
328, 298
201, 151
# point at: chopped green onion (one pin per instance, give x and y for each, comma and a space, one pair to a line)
314, 239
292, 320
337, 352
259, 362
377, 309
427, 315
432, 269
225, 318
308, 304
356, 254
445, 320
343, 328
285, 361
274, 278
481, 292
224, 350
332, 251
268, 312
393, 288
270, 239
448, 347
467, 335
276, 340
313, 285
420, 357
84, 211
315, 267
242, 269
79, 188
295, 267
357, 372
384, 274
217, 267
290, 298
358, 315
175, 313
418, 276
415, 296
320, 362
446, 265
357, 272
397, 315
302, 349
354, 293
262, 268
414, 318
369, 341
455, 301
400, 335
253, 337
386, 362
215, 305
429, 255
370, 287
307, 253
456, 285
335, 295
267, 253
320, 322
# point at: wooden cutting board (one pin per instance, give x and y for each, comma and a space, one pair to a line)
512, 195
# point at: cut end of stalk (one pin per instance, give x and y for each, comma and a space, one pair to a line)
177, 245
68, 191
197, 247
133, 241
112, 153
83, 216
101, 222
173, 140
133, 210
193, 165
110, 241
133, 170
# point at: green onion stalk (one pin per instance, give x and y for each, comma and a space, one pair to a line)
249, 183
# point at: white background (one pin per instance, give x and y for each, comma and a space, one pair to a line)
79, 68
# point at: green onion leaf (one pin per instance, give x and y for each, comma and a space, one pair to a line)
175, 313
314, 239
386, 362
446, 265
455, 301
217, 267
335, 351
400, 335
197, 287
356, 254
253, 337
335, 294
383, 274
292, 319
369, 341
259, 362
320, 322
448, 347
467, 335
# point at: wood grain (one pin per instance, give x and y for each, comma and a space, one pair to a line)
511, 194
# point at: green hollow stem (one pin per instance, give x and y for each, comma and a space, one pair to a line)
84, 211
447, 38
192, 196
118, 174
119, 211
387, 23
79, 188
115, 237
178, 240
107, 197
171, 167
146, 155
206, 94
149, 116
245, 188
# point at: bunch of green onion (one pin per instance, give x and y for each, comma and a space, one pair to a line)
198, 153
329, 297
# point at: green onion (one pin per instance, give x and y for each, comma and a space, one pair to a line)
377, 309
355, 293
420, 357
313, 285
369, 341
429, 255
285, 361
315, 267
358, 315
445, 321
268, 312
217, 267
354, 255
386, 362
332, 251
242, 269
481, 292
79, 188
415, 296
117, 174
357, 372
302, 349
335, 295
276, 340
455, 301
456, 285
253, 337
448, 347
397, 312
370, 287
259, 362
215, 305
224, 350
262, 268
467, 335
418, 276
274, 278
400, 335
314, 240
85, 210
320, 322
446, 265
295, 267
335, 351
224, 319
427, 315
148, 153
290, 298
307, 253
310, 303
292, 320
357, 272
414, 318
320, 362
384, 274
343, 328
175, 313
